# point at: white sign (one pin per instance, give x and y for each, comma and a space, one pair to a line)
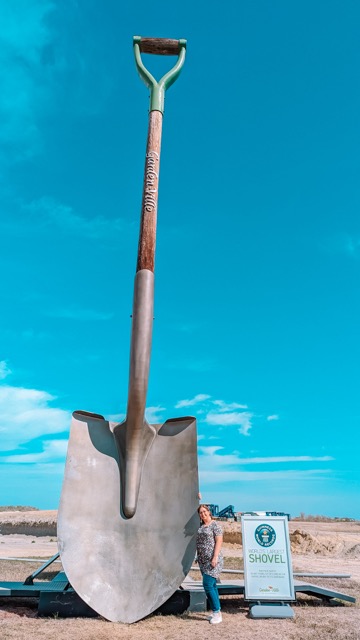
267, 558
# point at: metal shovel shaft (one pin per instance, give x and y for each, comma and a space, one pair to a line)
138, 439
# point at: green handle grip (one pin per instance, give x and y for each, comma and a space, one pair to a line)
163, 47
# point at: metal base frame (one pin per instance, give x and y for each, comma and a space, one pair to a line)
57, 597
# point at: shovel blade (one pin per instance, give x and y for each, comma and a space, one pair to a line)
126, 568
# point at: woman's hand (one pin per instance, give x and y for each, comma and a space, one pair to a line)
214, 561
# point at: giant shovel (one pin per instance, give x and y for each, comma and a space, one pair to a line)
127, 516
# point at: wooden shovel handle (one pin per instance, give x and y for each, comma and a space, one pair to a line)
147, 238
160, 46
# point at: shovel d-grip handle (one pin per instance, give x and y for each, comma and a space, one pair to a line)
159, 46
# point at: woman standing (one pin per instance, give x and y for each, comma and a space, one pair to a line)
208, 546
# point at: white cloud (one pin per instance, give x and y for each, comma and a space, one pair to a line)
235, 460
216, 467
273, 417
23, 80
4, 369
153, 414
53, 450
36, 55
201, 397
227, 476
228, 406
210, 451
283, 459
26, 414
237, 418
49, 212
22, 27
38, 217
116, 417
219, 412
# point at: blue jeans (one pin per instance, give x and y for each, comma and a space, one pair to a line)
210, 588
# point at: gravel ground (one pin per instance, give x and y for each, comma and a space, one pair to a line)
317, 547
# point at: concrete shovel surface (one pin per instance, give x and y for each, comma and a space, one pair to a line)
125, 568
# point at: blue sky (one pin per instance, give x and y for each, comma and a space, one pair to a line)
257, 306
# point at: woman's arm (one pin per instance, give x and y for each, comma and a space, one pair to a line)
217, 548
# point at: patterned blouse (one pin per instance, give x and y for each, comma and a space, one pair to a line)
205, 545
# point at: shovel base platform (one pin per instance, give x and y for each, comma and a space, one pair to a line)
57, 597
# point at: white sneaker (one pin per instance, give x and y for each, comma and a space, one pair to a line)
216, 618
210, 615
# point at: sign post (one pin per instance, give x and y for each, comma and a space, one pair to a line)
267, 566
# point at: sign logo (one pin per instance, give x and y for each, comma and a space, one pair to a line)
265, 535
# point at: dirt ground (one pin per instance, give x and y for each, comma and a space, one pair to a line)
331, 547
